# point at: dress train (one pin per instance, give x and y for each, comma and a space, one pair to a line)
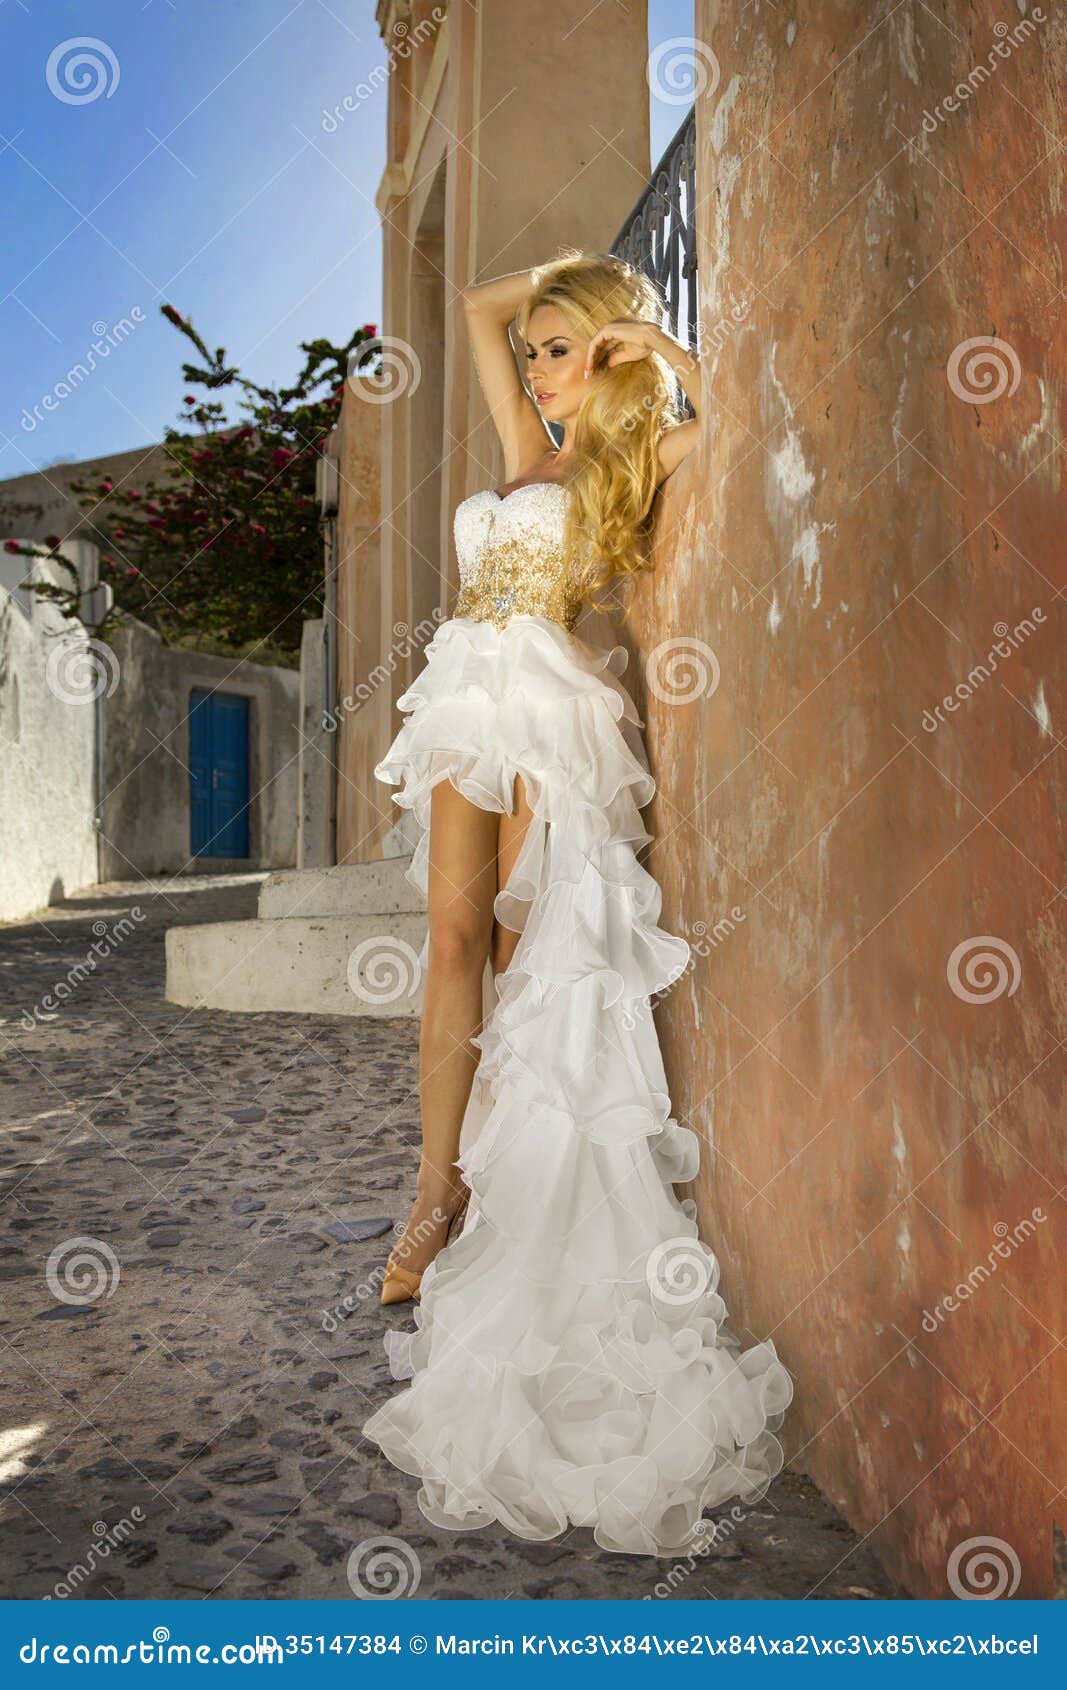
572, 1364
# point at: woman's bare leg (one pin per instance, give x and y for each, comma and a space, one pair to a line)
512, 831
461, 886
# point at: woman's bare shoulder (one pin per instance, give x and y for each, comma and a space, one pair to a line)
675, 445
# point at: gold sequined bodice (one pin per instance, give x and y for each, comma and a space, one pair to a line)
511, 556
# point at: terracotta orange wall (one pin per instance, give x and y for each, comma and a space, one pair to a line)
847, 544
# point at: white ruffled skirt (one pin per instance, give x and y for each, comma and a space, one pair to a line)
571, 1363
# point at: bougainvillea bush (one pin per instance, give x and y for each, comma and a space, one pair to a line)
227, 551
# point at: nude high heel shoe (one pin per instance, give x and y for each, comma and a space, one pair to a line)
399, 1285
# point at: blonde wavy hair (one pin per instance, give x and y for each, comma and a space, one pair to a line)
627, 409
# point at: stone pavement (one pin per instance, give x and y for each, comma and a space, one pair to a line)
183, 1386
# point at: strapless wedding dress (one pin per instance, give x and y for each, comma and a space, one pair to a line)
571, 1363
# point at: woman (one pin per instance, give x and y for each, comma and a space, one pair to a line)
571, 1364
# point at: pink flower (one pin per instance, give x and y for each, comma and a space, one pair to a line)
132, 493
281, 455
258, 528
106, 486
189, 400
12, 546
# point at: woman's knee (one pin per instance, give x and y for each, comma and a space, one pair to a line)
459, 941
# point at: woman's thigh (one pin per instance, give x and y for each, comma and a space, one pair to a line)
462, 876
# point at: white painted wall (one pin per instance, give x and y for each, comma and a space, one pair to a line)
69, 704
48, 738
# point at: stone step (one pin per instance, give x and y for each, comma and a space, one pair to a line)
378, 888
326, 965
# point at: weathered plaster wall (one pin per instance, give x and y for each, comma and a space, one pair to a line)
862, 522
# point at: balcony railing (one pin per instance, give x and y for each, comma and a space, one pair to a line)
659, 236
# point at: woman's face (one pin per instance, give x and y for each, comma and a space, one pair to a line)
555, 359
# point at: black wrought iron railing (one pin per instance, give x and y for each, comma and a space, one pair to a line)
659, 236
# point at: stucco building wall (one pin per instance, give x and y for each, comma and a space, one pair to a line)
516, 188
48, 738
870, 1041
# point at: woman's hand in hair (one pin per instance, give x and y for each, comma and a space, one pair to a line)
629, 338
622, 342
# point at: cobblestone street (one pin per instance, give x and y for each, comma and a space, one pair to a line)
189, 1425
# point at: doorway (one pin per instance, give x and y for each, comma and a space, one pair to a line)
218, 774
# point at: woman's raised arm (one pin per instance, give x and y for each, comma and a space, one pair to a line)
490, 309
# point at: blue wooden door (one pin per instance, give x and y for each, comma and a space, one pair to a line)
218, 774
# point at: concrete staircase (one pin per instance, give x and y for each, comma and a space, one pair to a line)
333, 941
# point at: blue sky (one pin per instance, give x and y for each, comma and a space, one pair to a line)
204, 178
